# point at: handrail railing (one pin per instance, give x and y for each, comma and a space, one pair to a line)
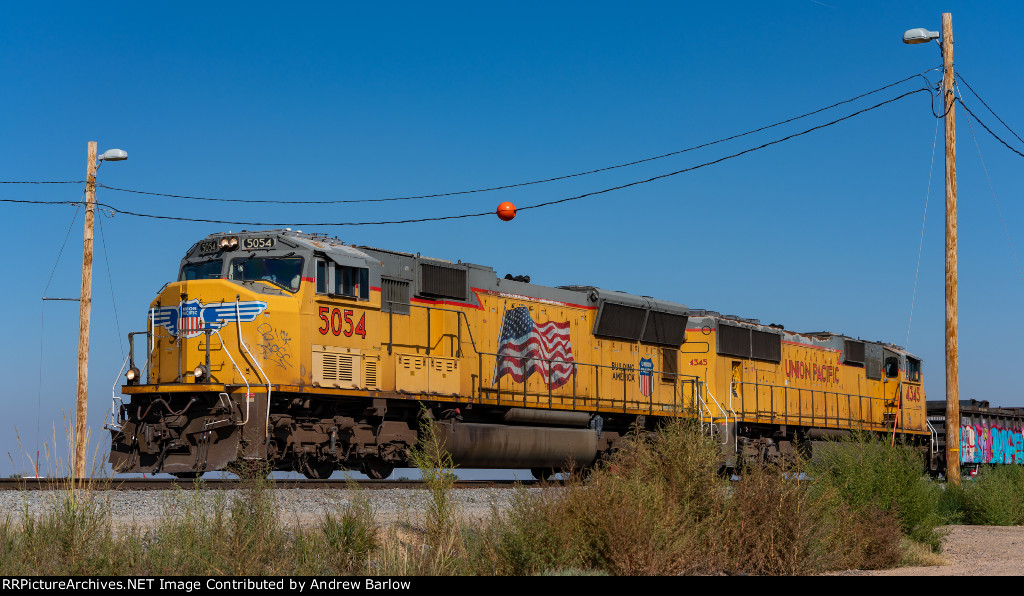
460, 315
934, 437
608, 399
707, 387
819, 407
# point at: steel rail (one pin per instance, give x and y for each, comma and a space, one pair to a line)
236, 483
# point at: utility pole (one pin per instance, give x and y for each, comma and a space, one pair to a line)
952, 355
83, 315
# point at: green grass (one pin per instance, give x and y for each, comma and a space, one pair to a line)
994, 498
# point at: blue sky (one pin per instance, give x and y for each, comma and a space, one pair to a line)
326, 101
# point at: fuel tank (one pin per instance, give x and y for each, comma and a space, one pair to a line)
499, 446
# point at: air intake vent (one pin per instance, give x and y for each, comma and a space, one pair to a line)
370, 369
395, 296
620, 321
442, 282
665, 329
744, 342
853, 352
337, 367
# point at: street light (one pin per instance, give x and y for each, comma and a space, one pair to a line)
919, 36
85, 301
114, 155
952, 357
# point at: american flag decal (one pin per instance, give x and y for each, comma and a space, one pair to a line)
646, 377
191, 317
526, 347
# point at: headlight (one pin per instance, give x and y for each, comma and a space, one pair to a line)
200, 373
233, 242
132, 376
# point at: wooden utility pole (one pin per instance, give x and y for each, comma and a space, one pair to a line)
952, 356
83, 316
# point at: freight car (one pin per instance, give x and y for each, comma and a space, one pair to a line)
987, 436
313, 355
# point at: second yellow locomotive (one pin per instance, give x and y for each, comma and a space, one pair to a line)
314, 355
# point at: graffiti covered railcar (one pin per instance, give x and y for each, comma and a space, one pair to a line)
988, 435
313, 355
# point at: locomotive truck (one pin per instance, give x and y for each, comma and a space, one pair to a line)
313, 355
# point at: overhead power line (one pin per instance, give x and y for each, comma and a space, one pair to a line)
42, 182
961, 78
113, 209
520, 184
983, 125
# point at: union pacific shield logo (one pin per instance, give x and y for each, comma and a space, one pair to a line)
195, 317
646, 377
190, 318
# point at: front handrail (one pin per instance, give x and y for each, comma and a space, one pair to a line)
240, 374
934, 437
115, 412
241, 342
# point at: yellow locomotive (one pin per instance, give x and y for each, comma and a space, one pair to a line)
314, 355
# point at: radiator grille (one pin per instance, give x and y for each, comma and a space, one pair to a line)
370, 370
337, 367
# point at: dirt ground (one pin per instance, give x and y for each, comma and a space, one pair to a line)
972, 550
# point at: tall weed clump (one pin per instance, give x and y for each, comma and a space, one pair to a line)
351, 535
868, 473
654, 509
781, 521
994, 498
74, 535
242, 537
445, 544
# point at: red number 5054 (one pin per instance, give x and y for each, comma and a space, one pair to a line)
339, 322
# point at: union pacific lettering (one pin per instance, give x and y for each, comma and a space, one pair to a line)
822, 373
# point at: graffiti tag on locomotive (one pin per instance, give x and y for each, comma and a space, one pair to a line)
313, 355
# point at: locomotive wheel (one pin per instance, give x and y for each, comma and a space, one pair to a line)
377, 471
187, 475
318, 470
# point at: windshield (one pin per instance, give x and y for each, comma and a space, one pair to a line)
204, 270
285, 272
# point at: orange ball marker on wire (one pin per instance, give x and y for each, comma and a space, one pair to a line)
506, 211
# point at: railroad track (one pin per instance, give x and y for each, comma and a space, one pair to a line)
233, 483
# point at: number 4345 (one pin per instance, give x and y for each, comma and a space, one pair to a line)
339, 322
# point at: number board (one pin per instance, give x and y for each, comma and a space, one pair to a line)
262, 242
208, 246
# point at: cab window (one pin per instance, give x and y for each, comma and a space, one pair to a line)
284, 272
321, 276
204, 270
352, 281
913, 369
341, 280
